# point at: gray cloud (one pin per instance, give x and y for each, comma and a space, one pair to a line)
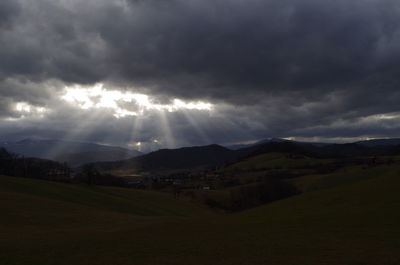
222, 49
207, 48
273, 68
9, 9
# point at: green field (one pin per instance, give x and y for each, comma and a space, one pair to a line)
344, 176
275, 161
43, 223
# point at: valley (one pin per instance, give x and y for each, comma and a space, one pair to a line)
267, 207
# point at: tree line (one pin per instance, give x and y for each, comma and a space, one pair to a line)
18, 166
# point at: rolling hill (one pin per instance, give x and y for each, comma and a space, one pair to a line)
78, 159
216, 155
323, 150
68, 151
52, 223
182, 158
380, 142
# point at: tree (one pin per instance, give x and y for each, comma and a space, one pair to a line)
90, 174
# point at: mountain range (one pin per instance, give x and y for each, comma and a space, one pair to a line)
216, 155
114, 157
181, 158
74, 153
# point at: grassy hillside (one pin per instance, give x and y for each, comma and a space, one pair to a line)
138, 202
344, 176
276, 161
81, 158
50, 223
172, 159
355, 223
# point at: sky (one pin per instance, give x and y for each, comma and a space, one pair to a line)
152, 74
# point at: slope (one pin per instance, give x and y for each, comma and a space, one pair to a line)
138, 202
78, 159
182, 158
52, 149
355, 223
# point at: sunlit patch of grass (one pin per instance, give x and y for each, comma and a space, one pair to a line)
276, 161
343, 176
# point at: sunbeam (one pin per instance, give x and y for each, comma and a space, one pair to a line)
197, 128
168, 137
134, 140
84, 124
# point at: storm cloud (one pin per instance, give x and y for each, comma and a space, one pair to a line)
289, 68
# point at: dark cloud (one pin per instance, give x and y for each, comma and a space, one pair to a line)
273, 68
37, 95
215, 49
9, 9
223, 49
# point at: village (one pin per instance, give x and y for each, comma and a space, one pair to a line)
182, 180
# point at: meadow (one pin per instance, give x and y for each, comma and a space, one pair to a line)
46, 223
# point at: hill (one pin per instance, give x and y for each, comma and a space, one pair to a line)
215, 155
352, 223
368, 143
258, 143
78, 159
137, 202
52, 223
63, 151
168, 159
380, 142
275, 160
323, 150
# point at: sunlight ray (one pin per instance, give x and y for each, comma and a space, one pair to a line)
135, 133
80, 131
198, 129
168, 137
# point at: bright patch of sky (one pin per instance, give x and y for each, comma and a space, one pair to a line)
24, 109
123, 103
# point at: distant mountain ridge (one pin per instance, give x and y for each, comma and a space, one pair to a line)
114, 157
379, 142
264, 141
182, 158
273, 140
216, 155
60, 150
324, 150
78, 159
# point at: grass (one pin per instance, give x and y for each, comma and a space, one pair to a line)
275, 161
343, 176
356, 222
123, 200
